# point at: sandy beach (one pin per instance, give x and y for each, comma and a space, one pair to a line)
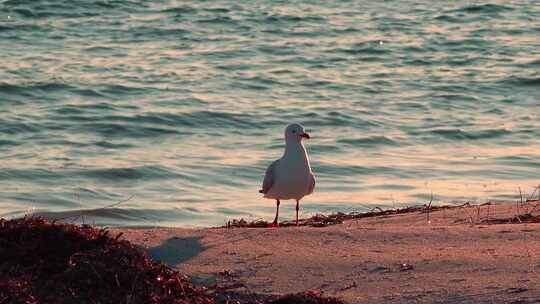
469, 254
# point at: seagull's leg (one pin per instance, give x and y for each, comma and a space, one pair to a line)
297, 208
275, 223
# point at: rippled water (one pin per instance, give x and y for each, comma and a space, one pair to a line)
182, 104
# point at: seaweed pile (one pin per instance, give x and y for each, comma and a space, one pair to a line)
48, 262
308, 297
43, 262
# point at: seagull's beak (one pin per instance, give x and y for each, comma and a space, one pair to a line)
305, 135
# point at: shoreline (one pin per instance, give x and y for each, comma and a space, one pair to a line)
464, 254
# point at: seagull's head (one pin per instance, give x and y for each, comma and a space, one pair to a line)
295, 132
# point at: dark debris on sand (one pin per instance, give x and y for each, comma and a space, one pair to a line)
322, 220
518, 219
308, 297
47, 262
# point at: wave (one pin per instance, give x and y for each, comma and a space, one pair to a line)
121, 90
522, 81
317, 149
8, 143
30, 174
122, 130
286, 19
93, 119
18, 127
111, 145
33, 88
327, 170
147, 172
519, 161
472, 12
218, 20
531, 64
448, 18
105, 215
464, 45
459, 134
371, 141
325, 118
129, 173
128, 216
180, 10
372, 47
483, 8
454, 97
70, 9
158, 32
77, 109
59, 10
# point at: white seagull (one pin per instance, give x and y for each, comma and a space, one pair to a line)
290, 177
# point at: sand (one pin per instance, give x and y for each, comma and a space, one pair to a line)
453, 258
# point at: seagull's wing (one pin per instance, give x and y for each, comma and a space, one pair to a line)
269, 177
312, 185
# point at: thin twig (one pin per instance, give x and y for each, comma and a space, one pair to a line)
87, 211
429, 207
531, 197
117, 203
488, 213
377, 208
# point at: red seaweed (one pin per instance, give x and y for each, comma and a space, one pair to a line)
308, 297
45, 262
48, 262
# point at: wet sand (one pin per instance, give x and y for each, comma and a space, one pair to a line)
456, 257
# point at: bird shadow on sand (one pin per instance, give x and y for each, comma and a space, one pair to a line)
176, 250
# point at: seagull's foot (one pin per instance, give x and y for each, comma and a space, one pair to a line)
273, 225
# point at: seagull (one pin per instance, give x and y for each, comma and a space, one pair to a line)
290, 177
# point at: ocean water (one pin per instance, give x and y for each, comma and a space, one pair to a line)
181, 105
